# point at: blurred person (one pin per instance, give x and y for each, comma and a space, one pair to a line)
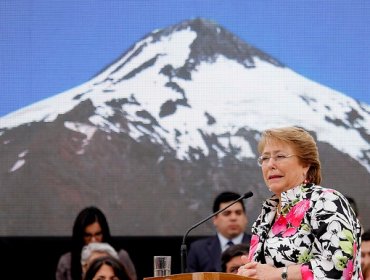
231, 258
106, 268
365, 254
205, 254
95, 250
304, 231
90, 226
354, 206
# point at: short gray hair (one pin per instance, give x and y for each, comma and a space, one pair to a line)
101, 247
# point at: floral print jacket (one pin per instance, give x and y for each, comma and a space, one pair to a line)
316, 228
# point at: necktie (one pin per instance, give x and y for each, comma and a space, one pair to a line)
230, 243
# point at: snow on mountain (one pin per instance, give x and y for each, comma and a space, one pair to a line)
215, 94
178, 114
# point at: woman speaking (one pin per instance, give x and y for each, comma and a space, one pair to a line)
304, 231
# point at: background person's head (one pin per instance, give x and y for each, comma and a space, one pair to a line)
230, 258
106, 268
233, 221
93, 251
353, 204
295, 157
365, 250
90, 226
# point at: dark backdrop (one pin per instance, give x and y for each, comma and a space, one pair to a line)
37, 257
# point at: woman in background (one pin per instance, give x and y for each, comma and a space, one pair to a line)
90, 226
96, 250
106, 268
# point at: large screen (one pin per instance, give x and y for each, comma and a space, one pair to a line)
149, 109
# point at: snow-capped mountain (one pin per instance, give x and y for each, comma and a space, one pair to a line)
180, 113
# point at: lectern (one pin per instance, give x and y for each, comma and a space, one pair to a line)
201, 276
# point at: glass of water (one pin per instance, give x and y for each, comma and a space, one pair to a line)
162, 265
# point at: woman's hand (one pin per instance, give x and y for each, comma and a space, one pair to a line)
266, 271
259, 271
248, 269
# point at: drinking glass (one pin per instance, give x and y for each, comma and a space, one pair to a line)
162, 265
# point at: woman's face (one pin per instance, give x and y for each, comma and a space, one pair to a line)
93, 233
105, 273
94, 255
282, 169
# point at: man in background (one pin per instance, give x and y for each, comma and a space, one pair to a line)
205, 254
231, 258
354, 206
365, 254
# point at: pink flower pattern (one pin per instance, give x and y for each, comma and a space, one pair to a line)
289, 224
306, 273
253, 246
309, 210
298, 211
280, 225
348, 271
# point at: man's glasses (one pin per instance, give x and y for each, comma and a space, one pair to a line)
264, 159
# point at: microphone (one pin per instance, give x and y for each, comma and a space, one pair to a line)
183, 244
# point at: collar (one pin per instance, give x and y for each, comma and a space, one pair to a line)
292, 196
262, 225
224, 240
269, 207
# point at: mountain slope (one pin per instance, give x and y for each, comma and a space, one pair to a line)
175, 119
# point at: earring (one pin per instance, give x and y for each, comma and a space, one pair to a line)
306, 181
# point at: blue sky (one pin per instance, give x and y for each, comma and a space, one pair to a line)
49, 46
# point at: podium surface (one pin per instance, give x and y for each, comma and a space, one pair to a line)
201, 276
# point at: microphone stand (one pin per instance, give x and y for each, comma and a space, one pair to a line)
183, 244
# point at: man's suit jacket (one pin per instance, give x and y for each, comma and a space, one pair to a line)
205, 254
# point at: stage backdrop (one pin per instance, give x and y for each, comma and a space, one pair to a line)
148, 112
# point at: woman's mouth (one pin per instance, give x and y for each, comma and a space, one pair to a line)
271, 177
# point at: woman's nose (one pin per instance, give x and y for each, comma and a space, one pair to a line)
93, 238
271, 163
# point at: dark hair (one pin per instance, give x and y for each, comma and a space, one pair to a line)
353, 204
231, 252
225, 197
366, 236
86, 217
118, 269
